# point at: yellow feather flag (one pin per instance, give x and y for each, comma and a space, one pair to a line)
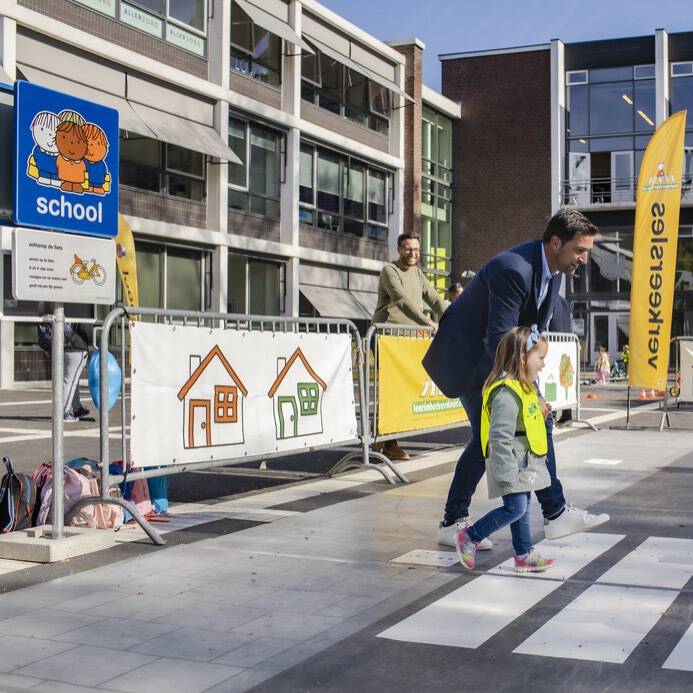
654, 255
127, 264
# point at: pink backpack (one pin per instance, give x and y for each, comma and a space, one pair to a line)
76, 486
105, 516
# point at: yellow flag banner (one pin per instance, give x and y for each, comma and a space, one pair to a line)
655, 239
127, 265
408, 400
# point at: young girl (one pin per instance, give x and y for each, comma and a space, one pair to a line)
514, 442
602, 366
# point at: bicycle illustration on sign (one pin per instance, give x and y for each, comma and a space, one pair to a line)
82, 271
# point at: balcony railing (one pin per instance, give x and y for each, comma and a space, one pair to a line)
608, 191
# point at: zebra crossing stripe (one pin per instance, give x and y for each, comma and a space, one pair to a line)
681, 657
607, 621
476, 611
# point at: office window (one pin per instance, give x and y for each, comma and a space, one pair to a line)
331, 85
342, 194
254, 184
255, 286
162, 168
193, 13
255, 52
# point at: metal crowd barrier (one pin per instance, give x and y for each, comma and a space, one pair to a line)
682, 390
122, 315
371, 410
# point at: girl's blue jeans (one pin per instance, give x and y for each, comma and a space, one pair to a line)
515, 512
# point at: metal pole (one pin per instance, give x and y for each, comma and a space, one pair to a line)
124, 449
628, 408
57, 352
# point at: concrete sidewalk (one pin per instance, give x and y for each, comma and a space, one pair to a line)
312, 574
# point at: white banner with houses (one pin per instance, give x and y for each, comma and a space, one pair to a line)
208, 394
685, 375
558, 380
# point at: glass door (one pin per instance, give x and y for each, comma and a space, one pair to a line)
579, 177
609, 330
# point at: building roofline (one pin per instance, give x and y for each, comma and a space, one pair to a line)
441, 103
355, 32
408, 42
495, 51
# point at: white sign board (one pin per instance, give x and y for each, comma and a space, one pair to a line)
686, 368
558, 380
63, 268
203, 394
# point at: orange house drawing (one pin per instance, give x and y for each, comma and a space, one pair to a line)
212, 398
296, 397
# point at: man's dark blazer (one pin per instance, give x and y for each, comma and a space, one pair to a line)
501, 296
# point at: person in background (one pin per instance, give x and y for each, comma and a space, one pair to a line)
602, 366
454, 292
562, 321
78, 339
402, 291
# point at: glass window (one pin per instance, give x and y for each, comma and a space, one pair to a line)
376, 197
578, 112
236, 284
255, 52
354, 190
356, 98
264, 162
444, 142
149, 276
237, 142
183, 279
610, 144
682, 97
330, 95
681, 69
265, 284
190, 12
185, 160
611, 74
306, 191
611, 108
156, 6
328, 190
644, 72
180, 186
379, 99
579, 77
644, 106
310, 68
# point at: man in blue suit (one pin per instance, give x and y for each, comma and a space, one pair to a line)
518, 287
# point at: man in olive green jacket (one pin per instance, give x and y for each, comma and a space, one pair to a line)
402, 291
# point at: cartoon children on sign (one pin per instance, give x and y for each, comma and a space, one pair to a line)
69, 153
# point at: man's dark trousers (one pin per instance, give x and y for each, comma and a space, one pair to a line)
471, 467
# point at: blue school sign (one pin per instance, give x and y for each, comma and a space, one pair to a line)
66, 162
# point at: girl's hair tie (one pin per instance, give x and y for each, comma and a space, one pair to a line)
534, 337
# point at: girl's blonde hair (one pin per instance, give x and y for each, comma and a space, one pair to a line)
509, 357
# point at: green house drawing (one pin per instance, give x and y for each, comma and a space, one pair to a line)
297, 396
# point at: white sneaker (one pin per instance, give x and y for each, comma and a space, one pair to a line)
447, 535
571, 521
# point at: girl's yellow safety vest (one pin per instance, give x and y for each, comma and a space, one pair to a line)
532, 416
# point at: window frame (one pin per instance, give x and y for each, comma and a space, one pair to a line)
224, 405
689, 63
281, 162
189, 27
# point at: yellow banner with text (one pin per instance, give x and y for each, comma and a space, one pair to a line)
408, 400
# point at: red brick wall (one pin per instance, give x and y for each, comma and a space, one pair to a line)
501, 152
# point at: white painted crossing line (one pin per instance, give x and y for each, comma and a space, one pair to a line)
478, 610
608, 621
681, 657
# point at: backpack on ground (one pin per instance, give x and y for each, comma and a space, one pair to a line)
106, 516
17, 499
75, 487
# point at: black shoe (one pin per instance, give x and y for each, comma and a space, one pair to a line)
81, 412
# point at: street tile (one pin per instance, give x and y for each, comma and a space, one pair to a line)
85, 666
17, 651
60, 687
191, 643
255, 651
212, 616
295, 600
349, 606
112, 632
89, 601
290, 626
7, 680
180, 676
140, 607
229, 594
46, 623
160, 585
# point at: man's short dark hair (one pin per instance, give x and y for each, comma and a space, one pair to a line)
566, 224
408, 236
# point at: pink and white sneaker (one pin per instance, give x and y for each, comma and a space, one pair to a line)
466, 549
532, 562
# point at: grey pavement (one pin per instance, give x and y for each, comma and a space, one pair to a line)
308, 595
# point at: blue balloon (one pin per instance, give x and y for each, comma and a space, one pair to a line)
94, 378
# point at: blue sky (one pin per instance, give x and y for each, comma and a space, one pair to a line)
449, 26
